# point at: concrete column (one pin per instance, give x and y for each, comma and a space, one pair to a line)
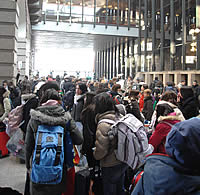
8, 39
148, 79
191, 78
165, 78
177, 78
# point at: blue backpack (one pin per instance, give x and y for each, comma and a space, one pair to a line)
48, 157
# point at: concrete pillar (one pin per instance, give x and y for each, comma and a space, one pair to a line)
191, 78
148, 79
165, 78
8, 39
177, 78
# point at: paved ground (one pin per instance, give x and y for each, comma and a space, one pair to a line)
12, 174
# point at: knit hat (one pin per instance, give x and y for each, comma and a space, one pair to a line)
183, 143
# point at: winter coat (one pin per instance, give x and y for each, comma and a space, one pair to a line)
141, 102
48, 115
89, 134
148, 108
6, 107
176, 110
104, 148
189, 108
77, 109
164, 176
158, 138
31, 103
133, 108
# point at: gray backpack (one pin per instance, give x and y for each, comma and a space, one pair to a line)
132, 146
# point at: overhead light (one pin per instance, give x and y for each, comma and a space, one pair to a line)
177, 15
158, 13
167, 14
109, 6
127, 9
116, 7
104, 6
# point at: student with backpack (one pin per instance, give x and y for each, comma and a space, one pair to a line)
45, 145
110, 147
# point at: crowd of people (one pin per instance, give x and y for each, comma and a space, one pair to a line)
83, 109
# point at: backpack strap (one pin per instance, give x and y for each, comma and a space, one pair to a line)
167, 123
38, 148
58, 149
112, 122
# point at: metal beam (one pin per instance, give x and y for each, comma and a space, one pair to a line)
184, 34
172, 36
162, 37
153, 35
139, 39
145, 33
119, 57
111, 61
87, 29
95, 5
82, 22
115, 59
106, 14
108, 57
198, 35
117, 14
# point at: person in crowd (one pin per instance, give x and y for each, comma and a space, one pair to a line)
166, 118
132, 105
26, 86
128, 83
187, 103
5, 84
156, 84
170, 98
178, 171
50, 112
14, 95
182, 84
33, 103
196, 89
113, 171
170, 87
5, 106
148, 105
89, 128
67, 85
116, 93
81, 89
141, 100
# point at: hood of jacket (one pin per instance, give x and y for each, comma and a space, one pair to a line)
106, 115
50, 115
183, 144
179, 114
169, 118
172, 173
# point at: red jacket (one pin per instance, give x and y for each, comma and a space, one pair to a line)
141, 102
158, 138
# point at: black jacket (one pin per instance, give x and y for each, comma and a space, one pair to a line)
48, 115
148, 108
77, 109
132, 107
